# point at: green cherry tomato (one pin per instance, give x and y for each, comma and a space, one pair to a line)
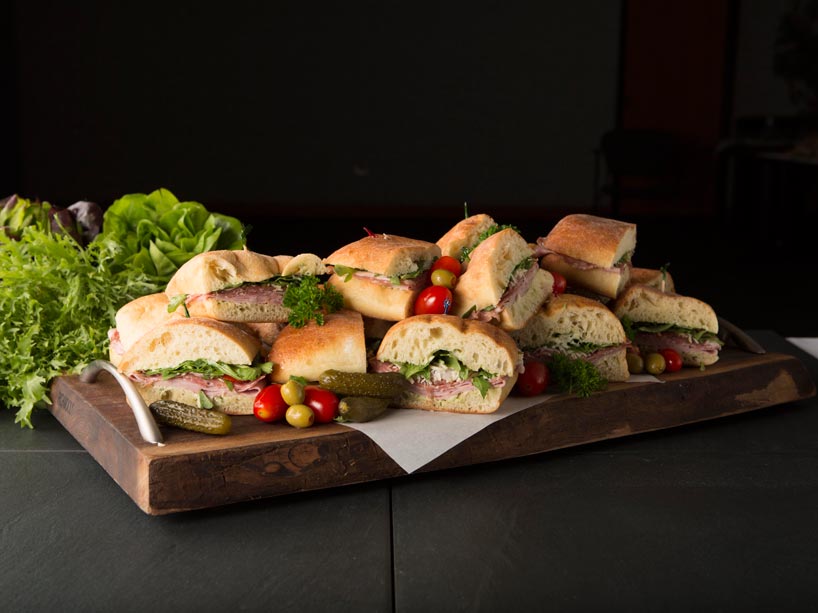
292, 392
636, 364
444, 278
300, 416
655, 363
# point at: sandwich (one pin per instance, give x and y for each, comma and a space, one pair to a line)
579, 328
592, 253
656, 320
660, 279
133, 320
239, 286
381, 275
451, 364
503, 283
198, 361
306, 352
465, 235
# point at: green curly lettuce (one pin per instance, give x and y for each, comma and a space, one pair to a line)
58, 301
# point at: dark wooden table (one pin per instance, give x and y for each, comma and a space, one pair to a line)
713, 516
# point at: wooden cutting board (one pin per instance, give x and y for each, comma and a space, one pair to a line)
256, 460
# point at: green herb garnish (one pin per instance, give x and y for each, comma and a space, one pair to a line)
204, 401
465, 254
177, 301
212, 369
308, 300
575, 376
344, 271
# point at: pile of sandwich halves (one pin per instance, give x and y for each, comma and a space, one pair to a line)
219, 332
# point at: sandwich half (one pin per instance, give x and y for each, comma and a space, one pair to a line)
593, 253
660, 279
656, 320
135, 319
239, 286
464, 236
580, 328
198, 361
503, 283
308, 351
381, 275
451, 364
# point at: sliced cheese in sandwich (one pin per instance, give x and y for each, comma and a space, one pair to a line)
198, 361
452, 364
381, 275
593, 253
579, 328
657, 320
503, 282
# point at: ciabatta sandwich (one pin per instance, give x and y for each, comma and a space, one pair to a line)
503, 283
464, 236
198, 361
451, 364
591, 252
133, 320
656, 320
658, 278
381, 275
239, 286
580, 328
308, 351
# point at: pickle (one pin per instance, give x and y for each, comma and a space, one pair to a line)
361, 408
378, 385
189, 417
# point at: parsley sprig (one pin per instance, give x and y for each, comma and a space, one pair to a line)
309, 300
575, 376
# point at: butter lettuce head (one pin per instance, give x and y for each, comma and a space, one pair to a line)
155, 233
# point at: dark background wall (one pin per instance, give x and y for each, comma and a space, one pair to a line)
314, 103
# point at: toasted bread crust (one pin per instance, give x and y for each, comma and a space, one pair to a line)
184, 338
464, 234
385, 254
139, 316
653, 278
307, 352
642, 303
607, 282
475, 343
597, 240
215, 270
375, 300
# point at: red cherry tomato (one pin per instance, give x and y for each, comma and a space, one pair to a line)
324, 403
269, 406
434, 300
673, 361
533, 380
559, 283
449, 263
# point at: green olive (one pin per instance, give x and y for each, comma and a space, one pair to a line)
292, 392
300, 416
655, 363
444, 277
636, 364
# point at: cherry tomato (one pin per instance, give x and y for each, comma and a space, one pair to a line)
673, 361
300, 416
533, 380
559, 284
449, 263
444, 277
323, 403
434, 300
269, 406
